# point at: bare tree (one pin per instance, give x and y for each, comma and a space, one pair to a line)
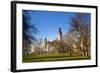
69, 43
79, 25
38, 47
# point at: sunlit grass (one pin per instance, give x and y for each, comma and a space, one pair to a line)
53, 57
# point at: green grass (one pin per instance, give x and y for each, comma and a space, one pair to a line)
53, 57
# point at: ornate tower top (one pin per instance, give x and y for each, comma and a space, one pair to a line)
59, 35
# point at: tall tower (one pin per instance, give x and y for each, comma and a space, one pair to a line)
45, 41
59, 35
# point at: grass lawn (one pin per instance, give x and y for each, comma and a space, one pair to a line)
52, 57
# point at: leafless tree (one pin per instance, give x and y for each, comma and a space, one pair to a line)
79, 34
69, 43
79, 25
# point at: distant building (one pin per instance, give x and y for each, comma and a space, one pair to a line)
56, 46
49, 46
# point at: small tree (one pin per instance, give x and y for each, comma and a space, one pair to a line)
69, 43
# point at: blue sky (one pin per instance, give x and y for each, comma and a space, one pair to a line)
49, 22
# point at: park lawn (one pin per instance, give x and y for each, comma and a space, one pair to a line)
52, 57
